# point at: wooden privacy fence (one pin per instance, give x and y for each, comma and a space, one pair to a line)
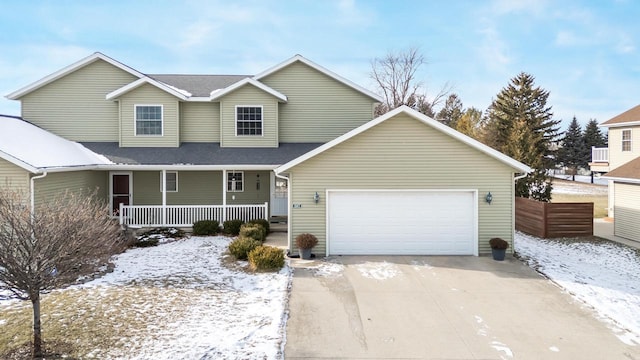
551, 220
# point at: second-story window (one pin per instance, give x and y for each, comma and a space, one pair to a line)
626, 140
248, 120
148, 120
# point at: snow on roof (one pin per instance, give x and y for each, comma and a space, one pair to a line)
35, 149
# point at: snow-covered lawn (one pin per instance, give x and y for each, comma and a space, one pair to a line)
578, 188
178, 300
604, 275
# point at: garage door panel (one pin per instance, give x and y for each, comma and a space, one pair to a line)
399, 222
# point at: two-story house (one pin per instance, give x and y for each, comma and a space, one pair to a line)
295, 140
620, 162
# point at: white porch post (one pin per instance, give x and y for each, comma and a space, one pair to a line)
224, 196
164, 196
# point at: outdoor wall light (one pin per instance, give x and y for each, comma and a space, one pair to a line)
316, 197
488, 198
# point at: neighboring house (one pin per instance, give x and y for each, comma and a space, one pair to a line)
168, 150
620, 162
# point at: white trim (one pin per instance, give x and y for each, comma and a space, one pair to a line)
111, 173
217, 94
261, 120
321, 69
19, 163
621, 179
622, 140
226, 181
418, 116
147, 80
622, 124
180, 167
69, 69
167, 172
135, 120
476, 215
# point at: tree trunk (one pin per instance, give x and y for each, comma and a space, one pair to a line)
592, 177
37, 332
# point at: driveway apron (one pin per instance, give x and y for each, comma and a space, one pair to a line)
440, 307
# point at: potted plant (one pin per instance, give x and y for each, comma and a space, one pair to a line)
498, 248
305, 242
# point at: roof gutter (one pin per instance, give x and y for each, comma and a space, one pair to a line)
32, 186
184, 167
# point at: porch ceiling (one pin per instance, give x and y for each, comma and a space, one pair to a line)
200, 154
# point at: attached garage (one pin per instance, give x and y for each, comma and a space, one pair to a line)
416, 222
402, 184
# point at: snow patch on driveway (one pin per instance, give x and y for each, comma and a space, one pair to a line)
378, 270
603, 275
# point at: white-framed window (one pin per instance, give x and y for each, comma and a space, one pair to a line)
148, 120
235, 181
171, 181
626, 140
248, 120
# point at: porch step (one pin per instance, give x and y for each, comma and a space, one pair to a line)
278, 228
278, 219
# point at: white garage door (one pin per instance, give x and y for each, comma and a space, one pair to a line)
402, 223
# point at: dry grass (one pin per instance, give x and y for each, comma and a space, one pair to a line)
600, 202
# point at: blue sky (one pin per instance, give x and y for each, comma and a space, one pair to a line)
585, 53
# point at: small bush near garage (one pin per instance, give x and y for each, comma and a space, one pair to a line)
242, 246
306, 241
266, 258
265, 224
254, 231
206, 227
232, 227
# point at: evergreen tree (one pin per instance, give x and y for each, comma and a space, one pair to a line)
470, 122
520, 125
593, 137
451, 112
573, 152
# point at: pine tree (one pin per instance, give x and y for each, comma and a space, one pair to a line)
573, 151
520, 125
451, 112
593, 137
470, 122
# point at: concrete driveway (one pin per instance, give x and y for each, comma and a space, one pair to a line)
407, 307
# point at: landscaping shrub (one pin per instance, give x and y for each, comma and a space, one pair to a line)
242, 246
266, 258
254, 231
306, 241
206, 227
498, 243
232, 227
265, 224
146, 242
153, 236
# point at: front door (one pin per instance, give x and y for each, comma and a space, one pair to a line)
121, 184
279, 196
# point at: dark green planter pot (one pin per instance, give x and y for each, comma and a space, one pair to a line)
305, 254
498, 254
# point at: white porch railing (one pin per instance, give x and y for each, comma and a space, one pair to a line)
186, 215
599, 154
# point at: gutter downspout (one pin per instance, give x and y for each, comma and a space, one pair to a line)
32, 186
288, 207
513, 210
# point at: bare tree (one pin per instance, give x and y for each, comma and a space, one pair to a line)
395, 75
49, 247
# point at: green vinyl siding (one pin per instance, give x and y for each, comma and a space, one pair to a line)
403, 153
319, 108
149, 95
197, 188
627, 211
75, 107
146, 188
249, 95
13, 177
251, 194
55, 184
199, 122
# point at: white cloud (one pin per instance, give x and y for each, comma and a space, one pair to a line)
503, 7
350, 14
493, 49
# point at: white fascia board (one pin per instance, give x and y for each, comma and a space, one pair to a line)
216, 94
184, 167
19, 163
623, 124
321, 69
418, 116
145, 80
69, 69
619, 179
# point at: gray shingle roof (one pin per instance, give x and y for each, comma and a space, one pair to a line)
198, 85
200, 154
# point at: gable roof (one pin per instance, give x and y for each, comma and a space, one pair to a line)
629, 172
199, 85
69, 69
627, 118
46, 151
420, 117
321, 69
216, 94
179, 93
